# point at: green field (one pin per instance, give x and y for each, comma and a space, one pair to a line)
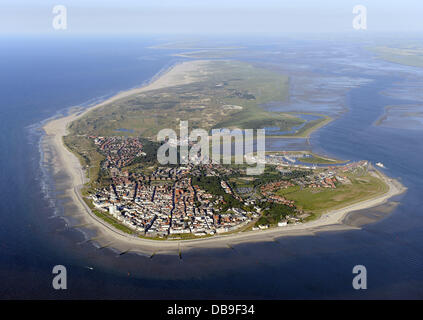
410, 56
319, 200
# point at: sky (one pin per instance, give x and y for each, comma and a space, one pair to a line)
210, 16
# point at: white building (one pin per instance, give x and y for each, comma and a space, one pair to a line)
282, 223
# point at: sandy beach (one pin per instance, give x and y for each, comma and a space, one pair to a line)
106, 235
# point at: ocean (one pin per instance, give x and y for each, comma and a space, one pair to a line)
41, 77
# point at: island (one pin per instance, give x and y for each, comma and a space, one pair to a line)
110, 150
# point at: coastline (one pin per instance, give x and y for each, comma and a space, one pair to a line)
111, 237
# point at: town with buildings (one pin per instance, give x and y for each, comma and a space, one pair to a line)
169, 202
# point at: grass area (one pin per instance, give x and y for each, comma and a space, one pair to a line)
313, 125
242, 182
319, 200
87, 153
316, 159
186, 236
410, 56
108, 218
273, 213
229, 94
306, 130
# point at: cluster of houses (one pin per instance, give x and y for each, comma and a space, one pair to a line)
269, 190
363, 164
322, 179
167, 203
160, 210
119, 151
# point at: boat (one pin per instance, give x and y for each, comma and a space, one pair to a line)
380, 164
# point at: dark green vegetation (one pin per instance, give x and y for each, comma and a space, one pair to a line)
269, 175
272, 175
150, 148
211, 184
273, 213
